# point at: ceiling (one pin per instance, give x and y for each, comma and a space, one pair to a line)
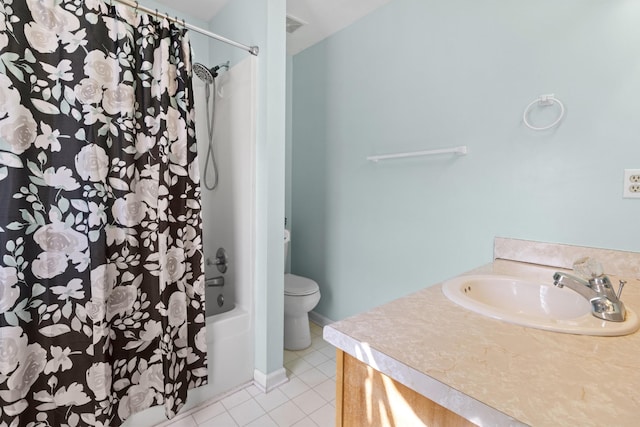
321, 18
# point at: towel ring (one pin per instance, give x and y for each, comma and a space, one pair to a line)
544, 100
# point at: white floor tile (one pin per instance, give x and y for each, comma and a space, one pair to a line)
271, 400
327, 390
306, 422
236, 398
253, 390
315, 328
287, 415
208, 412
290, 355
309, 402
263, 421
246, 412
183, 422
329, 351
318, 343
325, 416
294, 387
316, 358
313, 377
306, 351
298, 366
222, 420
328, 368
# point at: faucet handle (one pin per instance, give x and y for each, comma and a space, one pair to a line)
588, 268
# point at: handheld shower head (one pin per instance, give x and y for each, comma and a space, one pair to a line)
207, 75
203, 73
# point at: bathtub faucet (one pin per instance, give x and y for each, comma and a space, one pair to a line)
605, 303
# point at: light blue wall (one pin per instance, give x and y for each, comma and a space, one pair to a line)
262, 23
423, 74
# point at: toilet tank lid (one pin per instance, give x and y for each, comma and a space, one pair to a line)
299, 286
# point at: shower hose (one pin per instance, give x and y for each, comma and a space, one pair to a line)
211, 157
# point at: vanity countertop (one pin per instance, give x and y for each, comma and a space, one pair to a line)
495, 373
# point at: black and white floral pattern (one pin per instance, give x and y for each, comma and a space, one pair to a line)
101, 275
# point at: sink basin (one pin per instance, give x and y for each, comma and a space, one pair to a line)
533, 304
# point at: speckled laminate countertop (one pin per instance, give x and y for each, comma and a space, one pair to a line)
495, 373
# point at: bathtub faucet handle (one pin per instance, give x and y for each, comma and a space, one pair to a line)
221, 260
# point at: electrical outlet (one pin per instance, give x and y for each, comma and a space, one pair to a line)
631, 189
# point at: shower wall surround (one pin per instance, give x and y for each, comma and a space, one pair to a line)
418, 75
228, 210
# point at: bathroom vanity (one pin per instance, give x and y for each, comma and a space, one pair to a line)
424, 360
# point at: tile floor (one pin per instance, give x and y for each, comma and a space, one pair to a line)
307, 400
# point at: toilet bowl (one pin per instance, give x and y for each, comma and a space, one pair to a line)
301, 295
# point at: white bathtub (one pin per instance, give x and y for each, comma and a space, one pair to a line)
230, 358
230, 347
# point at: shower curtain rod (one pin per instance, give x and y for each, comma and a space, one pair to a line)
134, 4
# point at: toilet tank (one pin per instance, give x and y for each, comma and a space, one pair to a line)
287, 239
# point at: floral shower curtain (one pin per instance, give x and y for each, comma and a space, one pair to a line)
101, 275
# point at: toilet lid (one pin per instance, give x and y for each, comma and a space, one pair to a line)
299, 286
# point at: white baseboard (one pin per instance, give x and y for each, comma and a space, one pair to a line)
267, 382
319, 319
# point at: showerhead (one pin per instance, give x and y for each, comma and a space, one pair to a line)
203, 73
207, 75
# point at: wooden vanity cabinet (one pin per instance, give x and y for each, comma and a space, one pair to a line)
366, 397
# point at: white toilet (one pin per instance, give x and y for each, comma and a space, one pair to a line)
301, 295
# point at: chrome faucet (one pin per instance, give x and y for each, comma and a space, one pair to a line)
605, 303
